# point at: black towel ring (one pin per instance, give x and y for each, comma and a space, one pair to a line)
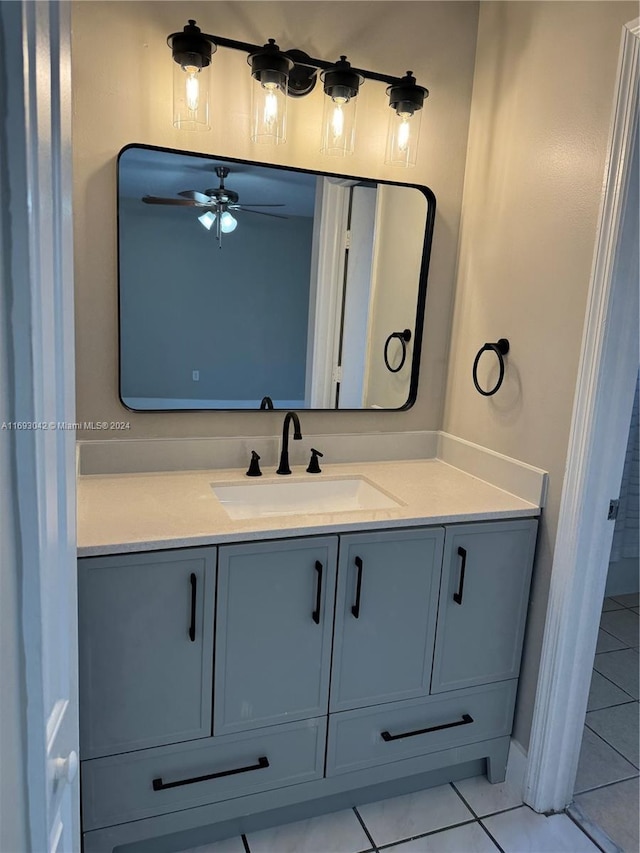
501, 348
404, 338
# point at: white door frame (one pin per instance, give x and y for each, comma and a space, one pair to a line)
597, 442
35, 135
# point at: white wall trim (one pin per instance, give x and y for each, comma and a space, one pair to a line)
600, 417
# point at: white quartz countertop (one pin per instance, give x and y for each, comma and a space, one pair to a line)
141, 512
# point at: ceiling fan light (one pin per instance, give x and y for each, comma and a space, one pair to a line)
228, 223
207, 219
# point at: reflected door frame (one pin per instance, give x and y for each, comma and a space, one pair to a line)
326, 293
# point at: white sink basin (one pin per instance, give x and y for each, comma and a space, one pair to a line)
301, 497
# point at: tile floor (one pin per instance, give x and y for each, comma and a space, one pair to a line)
473, 816
607, 782
440, 820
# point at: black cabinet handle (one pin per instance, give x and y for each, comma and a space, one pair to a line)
466, 719
457, 596
355, 609
194, 592
159, 785
316, 613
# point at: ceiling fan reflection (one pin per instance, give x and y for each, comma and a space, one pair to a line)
218, 203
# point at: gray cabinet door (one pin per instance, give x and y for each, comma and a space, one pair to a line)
273, 632
483, 603
146, 649
385, 616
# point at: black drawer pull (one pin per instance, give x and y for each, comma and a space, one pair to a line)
457, 596
194, 589
316, 613
159, 785
355, 609
466, 719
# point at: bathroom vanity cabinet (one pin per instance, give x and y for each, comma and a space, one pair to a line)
230, 687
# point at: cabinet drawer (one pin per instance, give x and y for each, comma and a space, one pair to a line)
152, 782
372, 736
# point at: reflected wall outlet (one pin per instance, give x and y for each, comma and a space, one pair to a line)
195, 375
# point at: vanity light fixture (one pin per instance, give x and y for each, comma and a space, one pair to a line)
278, 73
192, 51
270, 71
341, 86
405, 99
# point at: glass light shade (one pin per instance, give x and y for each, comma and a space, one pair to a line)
190, 97
269, 108
207, 219
338, 126
228, 223
402, 138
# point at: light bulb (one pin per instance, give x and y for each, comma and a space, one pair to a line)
207, 219
402, 137
269, 111
192, 88
337, 119
404, 132
190, 97
338, 125
270, 104
228, 223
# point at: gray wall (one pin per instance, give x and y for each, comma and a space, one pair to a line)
238, 314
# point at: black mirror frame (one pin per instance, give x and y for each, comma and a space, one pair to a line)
422, 280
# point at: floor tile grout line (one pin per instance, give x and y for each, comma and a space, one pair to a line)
633, 698
624, 606
502, 811
364, 826
611, 630
613, 637
609, 707
613, 682
584, 830
608, 784
610, 744
392, 844
613, 651
501, 849
468, 805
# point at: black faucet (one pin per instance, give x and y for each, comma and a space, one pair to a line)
283, 468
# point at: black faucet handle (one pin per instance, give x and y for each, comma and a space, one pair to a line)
314, 465
254, 466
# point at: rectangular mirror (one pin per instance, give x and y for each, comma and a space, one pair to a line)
245, 286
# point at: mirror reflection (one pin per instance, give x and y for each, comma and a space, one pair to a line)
244, 286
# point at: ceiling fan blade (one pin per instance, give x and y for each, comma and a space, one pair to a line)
152, 199
250, 204
263, 213
201, 198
